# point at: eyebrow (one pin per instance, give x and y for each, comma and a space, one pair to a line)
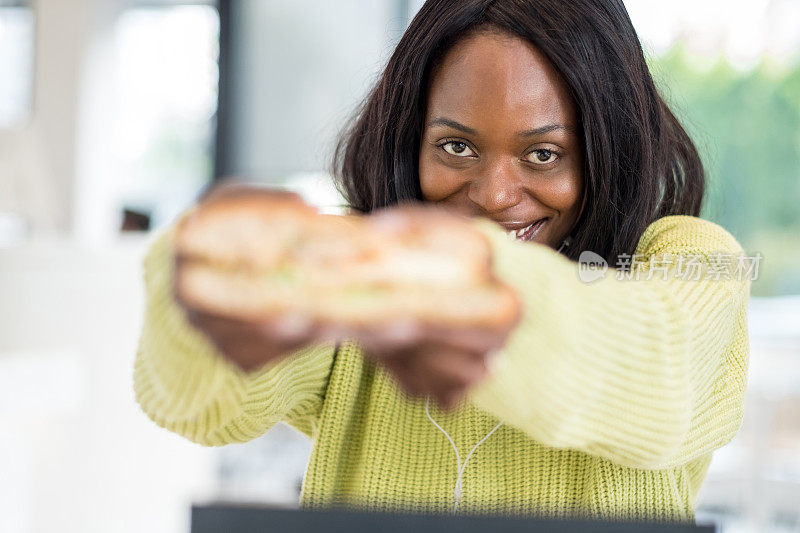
541, 130
547, 128
441, 121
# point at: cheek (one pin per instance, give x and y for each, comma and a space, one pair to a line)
564, 193
436, 180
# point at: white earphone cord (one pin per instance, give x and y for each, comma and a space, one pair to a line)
457, 492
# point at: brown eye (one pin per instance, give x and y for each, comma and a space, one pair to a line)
542, 156
458, 148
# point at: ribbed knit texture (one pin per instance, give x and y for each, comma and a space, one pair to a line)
614, 393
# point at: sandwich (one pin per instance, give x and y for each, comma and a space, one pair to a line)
258, 254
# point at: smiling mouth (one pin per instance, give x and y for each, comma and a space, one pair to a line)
529, 232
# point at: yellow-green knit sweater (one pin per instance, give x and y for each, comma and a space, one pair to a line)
614, 393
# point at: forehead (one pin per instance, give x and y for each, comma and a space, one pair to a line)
491, 77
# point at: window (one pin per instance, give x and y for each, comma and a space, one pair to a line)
16, 63
164, 124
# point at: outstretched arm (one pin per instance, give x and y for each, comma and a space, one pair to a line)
184, 384
646, 373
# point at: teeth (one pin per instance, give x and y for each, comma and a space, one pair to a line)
517, 233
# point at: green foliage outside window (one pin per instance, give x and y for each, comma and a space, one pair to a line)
747, 128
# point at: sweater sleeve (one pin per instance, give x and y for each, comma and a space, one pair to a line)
185, 385
646, 370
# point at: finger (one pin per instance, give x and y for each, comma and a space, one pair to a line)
400, 373
447, 371
246, 343
289, 327
451, 366
472, 339
393, 338
449, 400
285, 329
248, 353
245, 356
443, 373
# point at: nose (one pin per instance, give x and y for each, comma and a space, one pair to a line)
498, 189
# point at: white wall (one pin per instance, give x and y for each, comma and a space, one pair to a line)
37, 160
56, 171
77, 455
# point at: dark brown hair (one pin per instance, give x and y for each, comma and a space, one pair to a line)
640, 164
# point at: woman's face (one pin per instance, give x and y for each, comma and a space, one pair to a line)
501, 139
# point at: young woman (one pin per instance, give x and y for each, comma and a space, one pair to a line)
539, 119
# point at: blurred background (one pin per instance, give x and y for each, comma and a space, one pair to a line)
115, 114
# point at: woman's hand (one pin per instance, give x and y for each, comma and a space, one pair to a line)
248, 344
443, 362
434, 361
426, 359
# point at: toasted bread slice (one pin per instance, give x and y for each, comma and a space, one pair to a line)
265, 255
